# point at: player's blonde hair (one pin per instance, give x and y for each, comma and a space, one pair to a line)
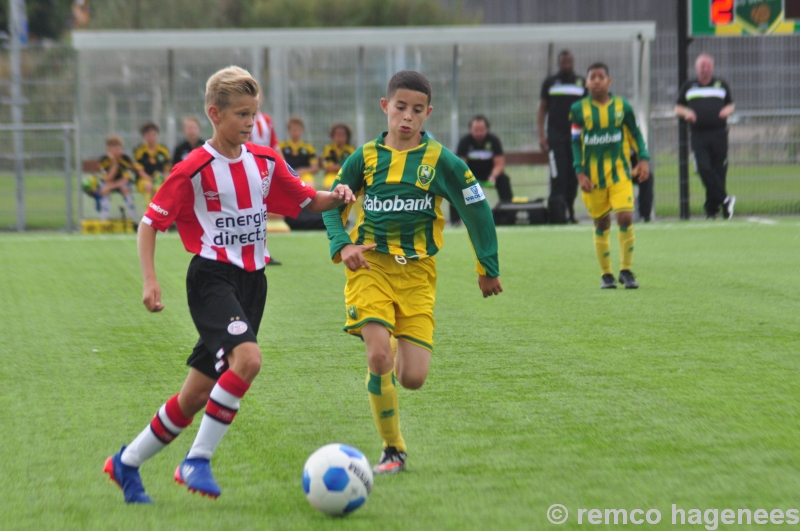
228, 82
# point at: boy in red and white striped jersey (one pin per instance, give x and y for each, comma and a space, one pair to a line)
219, 197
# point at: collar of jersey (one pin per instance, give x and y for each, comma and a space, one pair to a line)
603, 105
217, 155
423, 142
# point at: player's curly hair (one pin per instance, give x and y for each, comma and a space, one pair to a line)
344, 127
230, 81
411, 80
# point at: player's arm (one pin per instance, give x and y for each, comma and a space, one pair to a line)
498, 161
682, 109
151, 293
342, 248
727, 110
629, 121
463, 191
540, 123
324, 201
576, 118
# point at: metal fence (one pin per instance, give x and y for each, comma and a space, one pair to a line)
117, 91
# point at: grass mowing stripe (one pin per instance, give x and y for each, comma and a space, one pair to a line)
683, 391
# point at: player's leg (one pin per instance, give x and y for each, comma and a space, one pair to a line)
599, 208
228, 324
702, 146
503, 185
621, 199
383, 396
412, 365
169, 421
646, 197
720, 162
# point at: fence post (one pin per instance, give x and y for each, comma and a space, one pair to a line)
68, 175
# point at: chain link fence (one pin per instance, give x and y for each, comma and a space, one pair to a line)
117, 91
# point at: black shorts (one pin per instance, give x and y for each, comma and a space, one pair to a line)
226, 303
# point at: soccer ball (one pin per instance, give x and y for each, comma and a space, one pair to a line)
337, 479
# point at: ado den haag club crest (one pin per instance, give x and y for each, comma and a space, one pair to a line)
425, 174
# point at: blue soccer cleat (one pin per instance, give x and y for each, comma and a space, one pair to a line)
127, 478
196, 474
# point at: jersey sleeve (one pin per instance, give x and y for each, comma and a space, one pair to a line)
351, 174
632, 125
497, 146
287, 193
682, 94
464, 192
171, 198
728, 96
463, 147
576, 119
545, 94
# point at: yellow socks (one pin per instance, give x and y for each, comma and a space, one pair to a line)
385, 409
626, 247
602, 244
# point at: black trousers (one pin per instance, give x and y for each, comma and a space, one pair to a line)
645, 199
711, 159
503, 185
563, 181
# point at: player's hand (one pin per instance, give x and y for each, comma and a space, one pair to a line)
725, 112
489, 285
643, 170
353, 256
343, 193
690, 116
544, 145
151, 296
493, 179
585, 183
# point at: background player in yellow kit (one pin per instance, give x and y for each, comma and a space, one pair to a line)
604, 130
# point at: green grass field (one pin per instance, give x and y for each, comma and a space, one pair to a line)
760, 190
682, 392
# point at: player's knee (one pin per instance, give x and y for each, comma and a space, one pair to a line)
246, 362
624, 219
380, 361
410, 381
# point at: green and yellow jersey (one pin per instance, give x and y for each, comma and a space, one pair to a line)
603, 136
297, 155
336, 155
403, 192
126, 168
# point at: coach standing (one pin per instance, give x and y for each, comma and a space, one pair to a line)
706, 103
559, 92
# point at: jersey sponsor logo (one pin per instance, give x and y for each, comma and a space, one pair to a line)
211, 195
397, 204
237, 328
158, 209
248, 222
597, 140
473, 194
425, 174
469, 177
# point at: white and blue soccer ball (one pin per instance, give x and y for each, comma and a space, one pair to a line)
337, 479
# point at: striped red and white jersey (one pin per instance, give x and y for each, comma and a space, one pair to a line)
221, 204
264, 131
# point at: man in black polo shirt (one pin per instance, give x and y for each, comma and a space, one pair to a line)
706, 103
559, 92
483, 153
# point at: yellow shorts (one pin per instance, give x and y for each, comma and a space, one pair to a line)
398, 295
140, 186
601, 201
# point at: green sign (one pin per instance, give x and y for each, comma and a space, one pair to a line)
729, 18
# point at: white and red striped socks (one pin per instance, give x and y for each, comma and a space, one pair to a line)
167, 424
220, 412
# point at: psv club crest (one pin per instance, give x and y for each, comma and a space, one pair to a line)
425, 174
265, 181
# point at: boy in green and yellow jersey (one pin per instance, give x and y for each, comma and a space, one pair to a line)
391, 269
604, 131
